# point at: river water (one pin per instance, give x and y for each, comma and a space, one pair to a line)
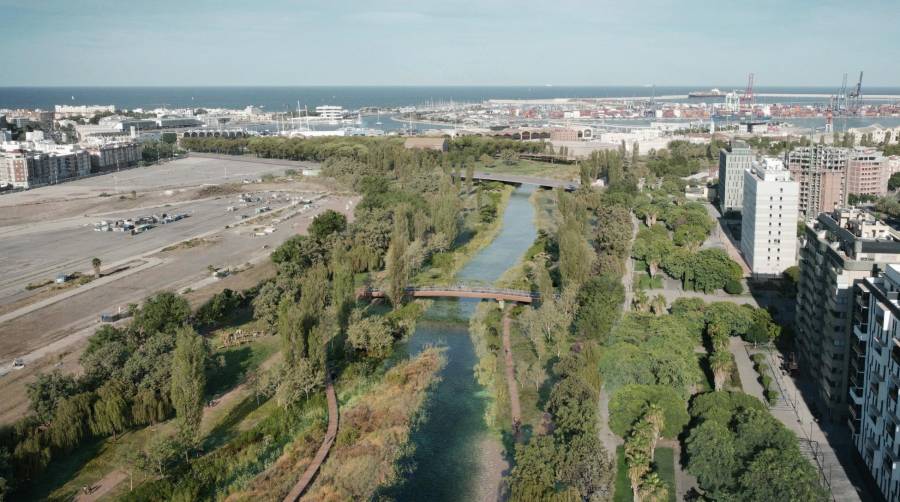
446, 465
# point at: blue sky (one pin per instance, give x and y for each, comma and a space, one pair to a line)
453, 42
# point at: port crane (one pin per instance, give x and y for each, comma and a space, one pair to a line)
747, 99
855, 96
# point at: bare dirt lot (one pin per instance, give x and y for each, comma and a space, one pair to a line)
48, 329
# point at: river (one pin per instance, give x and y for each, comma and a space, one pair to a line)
448, 463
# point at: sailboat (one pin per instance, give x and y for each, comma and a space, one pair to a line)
378, 120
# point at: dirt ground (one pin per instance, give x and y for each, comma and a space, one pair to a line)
54, 336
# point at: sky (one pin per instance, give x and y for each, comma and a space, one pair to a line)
448, 42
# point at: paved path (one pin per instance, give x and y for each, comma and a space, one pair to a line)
515, 407
607, 437
322, 454
749, 376
817, 444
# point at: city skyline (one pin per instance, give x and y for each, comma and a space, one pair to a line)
458, 43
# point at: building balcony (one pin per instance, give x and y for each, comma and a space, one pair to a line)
861, 335
856, 395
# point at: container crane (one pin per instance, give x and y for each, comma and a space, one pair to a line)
747, 98
856, 95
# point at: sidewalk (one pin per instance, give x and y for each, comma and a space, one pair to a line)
830, 451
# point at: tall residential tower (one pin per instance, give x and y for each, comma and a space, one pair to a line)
769, 217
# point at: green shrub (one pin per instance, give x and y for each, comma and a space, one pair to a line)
771, 396
758, 357
766, 381
734, 287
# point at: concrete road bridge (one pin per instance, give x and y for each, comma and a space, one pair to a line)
459, 291
526, 180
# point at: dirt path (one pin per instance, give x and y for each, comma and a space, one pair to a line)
103, 487
322, 454
515, 406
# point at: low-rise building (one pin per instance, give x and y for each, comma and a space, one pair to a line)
769, 218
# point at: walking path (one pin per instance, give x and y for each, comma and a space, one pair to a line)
749, 376
515, 407
817, 444
102, 487
322, 454
607, 437
628, 279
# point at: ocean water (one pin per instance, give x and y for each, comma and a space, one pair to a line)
353, 97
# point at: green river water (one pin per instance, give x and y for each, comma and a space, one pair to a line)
445, 465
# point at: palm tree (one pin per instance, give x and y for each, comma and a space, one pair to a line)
720, 362
95, 262
640, 301
658, 304
653, 488
657, 420
638, 465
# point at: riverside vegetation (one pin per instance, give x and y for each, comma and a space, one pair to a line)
143, 391
147, 384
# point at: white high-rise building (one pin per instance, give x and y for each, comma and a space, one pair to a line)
732, 164
874, 390
769, 218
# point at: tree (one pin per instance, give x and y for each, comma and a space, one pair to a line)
95, 262
572, 404
652, 246
373, 335
776, 474
396, 266
599, 306
188, 382
575, 254
630, 403
509, 156
658, 304
712, 456
70, 426
111, 409
534, 473
585, 465
894, 182
327, 223
46, 392
721, 363
165, 312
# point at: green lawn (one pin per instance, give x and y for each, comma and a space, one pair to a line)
664, 463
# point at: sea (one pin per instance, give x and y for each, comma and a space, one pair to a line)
277, 99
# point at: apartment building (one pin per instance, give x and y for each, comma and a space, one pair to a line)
840, 249
732, 164
30, 168
769, 217
867, 172
108, 156
874, 415
822, 174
